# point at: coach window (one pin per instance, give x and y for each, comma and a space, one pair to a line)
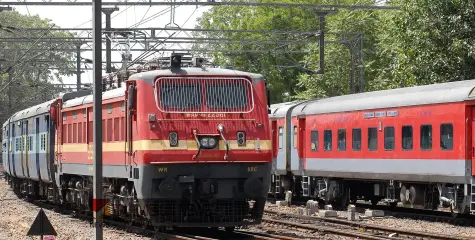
426, 137
75, 114
314, 140
446, 136
295, 137
356, 139
327, 140
372, 139
406, 137
85, 112
281, 138
341, 139
389, 138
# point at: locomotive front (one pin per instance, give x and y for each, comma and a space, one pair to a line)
201, 150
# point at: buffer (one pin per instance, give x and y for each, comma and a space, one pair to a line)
41, 226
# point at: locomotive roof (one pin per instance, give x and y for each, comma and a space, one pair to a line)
151, 75
31, 111
118, 92
400, 97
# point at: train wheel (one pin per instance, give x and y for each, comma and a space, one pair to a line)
403, 195
416, 195
229, 229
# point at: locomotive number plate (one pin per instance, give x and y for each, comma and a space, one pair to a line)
251, 169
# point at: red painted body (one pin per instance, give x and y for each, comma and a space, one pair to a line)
73, 131
416, 116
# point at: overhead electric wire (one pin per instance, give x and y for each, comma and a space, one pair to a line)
149, 52
28, 50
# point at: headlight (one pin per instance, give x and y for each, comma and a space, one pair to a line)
204, 142
173, 136
208, 142
241, 138
211, 142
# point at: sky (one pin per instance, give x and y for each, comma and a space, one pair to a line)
71, 17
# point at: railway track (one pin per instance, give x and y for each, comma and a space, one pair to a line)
411, 213
422, 214
179, 234
351, 228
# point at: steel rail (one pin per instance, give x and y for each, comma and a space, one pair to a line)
331, 230
370, 226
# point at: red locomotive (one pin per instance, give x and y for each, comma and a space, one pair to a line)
181, 147
411, 145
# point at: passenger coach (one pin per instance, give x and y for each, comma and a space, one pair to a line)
411, 145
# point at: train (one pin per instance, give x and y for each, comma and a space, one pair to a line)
183, 146
411, 147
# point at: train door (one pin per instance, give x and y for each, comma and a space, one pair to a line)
14, 149
301, 143
294, 151
61, 137
90, 135
27, 146
37, 146
281, 164
274, 140
130, 113
22, 147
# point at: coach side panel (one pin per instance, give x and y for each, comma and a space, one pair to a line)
400, 144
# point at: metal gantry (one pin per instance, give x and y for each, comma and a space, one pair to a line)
198, 3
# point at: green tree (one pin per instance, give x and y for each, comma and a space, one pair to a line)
428, 41
29, 63
296, 79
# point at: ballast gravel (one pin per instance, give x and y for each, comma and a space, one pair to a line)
400, 223
16, 217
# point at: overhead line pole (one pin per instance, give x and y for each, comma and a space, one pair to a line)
108, 12
97, 110
78, 66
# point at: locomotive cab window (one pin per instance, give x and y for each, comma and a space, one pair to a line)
426, 137
180, 96
407, 138
372, 139
389, 138
341, 139
314, 140
227, 96
356, 139
327, 140
446, 136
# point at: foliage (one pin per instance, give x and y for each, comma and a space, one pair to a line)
429, 41
29, 64
426, 41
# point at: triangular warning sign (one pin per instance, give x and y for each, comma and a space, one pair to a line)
41, 226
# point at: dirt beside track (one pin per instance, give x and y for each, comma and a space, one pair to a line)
16, 217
